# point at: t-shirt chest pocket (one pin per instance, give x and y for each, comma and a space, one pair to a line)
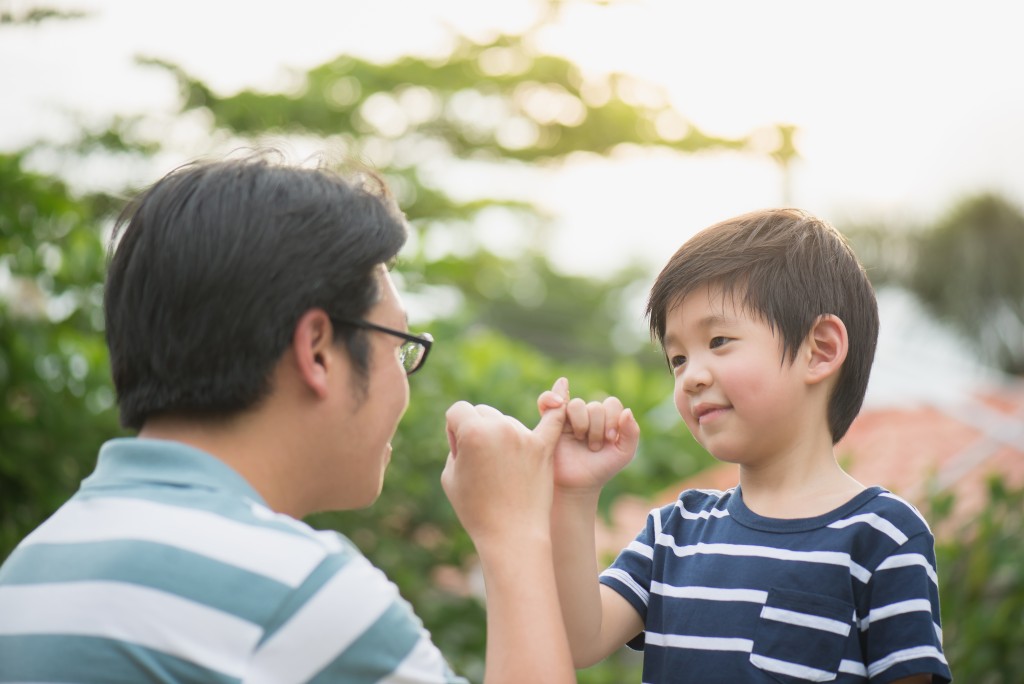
801, 636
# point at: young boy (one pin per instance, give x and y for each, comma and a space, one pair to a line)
799, 573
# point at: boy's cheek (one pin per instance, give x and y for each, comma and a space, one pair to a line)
683, 407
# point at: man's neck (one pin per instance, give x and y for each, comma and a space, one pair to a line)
241, 443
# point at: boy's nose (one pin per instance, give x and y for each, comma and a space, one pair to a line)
696, 377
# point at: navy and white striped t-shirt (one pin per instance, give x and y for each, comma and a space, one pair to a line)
167, 566
729, 596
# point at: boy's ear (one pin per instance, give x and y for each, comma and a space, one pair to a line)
311, 345
828, 344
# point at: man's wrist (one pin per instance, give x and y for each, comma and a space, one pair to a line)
511, 547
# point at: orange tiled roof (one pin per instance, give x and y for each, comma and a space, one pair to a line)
911, 451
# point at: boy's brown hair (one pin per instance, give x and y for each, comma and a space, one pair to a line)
789, 268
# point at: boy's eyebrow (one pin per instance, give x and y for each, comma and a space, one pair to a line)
704, 323
715, 319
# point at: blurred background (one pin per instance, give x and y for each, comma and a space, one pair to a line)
550, 155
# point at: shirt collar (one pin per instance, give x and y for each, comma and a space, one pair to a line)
133, 460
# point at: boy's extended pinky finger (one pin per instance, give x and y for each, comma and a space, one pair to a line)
629, 431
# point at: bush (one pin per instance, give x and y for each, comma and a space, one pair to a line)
981, 586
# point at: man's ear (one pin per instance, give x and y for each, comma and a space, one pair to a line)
312, 343
828, 344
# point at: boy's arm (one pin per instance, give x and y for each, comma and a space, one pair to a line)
598, 440
598, 620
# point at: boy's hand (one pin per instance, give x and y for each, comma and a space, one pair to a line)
598, 439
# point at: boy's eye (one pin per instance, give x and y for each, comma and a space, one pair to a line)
718, 342
676, 361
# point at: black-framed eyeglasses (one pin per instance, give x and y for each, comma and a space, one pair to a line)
413, 351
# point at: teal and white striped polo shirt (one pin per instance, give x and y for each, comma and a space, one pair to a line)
167, 566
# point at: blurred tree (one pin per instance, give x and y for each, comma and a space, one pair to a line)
487, 110
56, 403
34, 14
967, 269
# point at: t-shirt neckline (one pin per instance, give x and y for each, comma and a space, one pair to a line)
739, 512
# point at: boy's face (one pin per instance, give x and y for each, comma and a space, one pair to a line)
741, 399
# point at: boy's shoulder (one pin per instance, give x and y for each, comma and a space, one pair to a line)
700, 503
873, 504
893, 508
706, 497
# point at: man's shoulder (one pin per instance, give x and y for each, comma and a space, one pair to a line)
161, 532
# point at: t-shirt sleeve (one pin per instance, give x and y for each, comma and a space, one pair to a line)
630, 574
347, 620
902, 632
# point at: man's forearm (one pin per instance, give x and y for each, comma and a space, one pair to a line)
526, 640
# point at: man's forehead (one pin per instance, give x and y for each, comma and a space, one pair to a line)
389, 305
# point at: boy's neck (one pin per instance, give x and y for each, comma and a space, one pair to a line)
784, 489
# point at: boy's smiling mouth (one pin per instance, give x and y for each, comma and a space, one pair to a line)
704, 412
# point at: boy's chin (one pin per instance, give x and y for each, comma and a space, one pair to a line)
725, 454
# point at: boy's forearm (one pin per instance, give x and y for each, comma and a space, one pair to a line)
573, 518
526, 641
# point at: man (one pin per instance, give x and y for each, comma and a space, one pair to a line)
259, 347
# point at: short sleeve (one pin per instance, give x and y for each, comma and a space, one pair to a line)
631, 573
902, 631
347, 621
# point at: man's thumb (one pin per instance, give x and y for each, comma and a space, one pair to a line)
549, 429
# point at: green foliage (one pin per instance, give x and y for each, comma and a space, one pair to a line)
527, 300
498, 103
465, 102
55, 396
981, 576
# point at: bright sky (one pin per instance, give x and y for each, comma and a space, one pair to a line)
904, 107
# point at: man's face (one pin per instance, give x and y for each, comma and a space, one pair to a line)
368, 419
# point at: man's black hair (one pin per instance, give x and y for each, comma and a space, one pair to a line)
213, 267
